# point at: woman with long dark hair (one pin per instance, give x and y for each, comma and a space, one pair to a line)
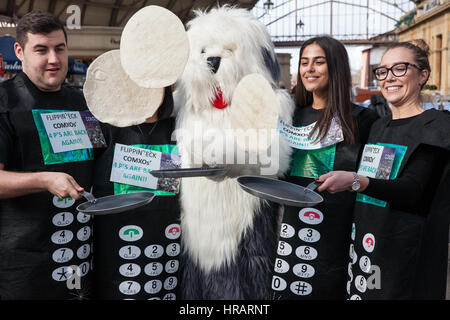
324, 83
330, 130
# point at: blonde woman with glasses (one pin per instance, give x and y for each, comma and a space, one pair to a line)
401, 217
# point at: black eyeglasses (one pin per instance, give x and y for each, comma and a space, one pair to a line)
398, 70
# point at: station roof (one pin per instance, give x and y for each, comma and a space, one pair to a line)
112, 13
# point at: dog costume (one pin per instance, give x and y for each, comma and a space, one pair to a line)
228, 236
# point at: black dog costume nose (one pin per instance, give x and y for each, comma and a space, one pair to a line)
214, 63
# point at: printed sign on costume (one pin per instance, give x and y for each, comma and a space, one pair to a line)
132, 166
67, 136
312, 157
376, 161
93, 129
66, 131
298, 137
380, 161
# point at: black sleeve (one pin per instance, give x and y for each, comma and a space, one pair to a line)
365, 119
416, 184
5, 138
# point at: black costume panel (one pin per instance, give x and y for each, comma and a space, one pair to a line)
248, 276
400, 252
41, 236
136, 252
312, 251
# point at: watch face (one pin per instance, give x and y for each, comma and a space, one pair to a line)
355, 185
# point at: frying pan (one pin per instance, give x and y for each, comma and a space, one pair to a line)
189, 172
115, 203
281, 192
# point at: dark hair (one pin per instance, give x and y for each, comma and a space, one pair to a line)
37, 22
339, 102
420, 50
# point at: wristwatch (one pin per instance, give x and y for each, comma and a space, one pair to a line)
356, 184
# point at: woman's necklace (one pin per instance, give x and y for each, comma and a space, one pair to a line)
151, 130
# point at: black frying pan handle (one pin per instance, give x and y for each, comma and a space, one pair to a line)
89, 197
313, 185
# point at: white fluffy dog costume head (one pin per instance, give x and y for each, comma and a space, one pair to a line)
226, 44
236, 44
219, 218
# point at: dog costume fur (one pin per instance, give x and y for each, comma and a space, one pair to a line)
228, 236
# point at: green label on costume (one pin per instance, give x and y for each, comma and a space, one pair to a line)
49, 156
313, 163
168, 186
376, 161
400, 152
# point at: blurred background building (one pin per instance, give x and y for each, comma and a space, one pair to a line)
366, 28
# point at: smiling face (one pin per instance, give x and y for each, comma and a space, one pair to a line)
44, 59
313, 69
404, 90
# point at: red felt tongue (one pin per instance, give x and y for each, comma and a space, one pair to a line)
219, 102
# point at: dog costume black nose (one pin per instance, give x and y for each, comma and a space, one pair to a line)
214, 63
